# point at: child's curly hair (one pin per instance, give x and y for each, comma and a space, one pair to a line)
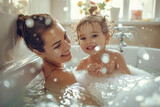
94, 16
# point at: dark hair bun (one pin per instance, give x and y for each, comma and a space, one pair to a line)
20, 25
92, 9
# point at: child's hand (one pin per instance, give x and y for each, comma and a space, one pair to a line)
95, 69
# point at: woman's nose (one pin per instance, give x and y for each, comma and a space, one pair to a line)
68, 40
67, 46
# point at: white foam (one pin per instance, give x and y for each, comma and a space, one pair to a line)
120, 89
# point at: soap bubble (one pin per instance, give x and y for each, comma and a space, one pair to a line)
143, 54
48, 21
104, 70
139, 98
49, 96
65, 9
146, 56
6, 83
40, 18
55, 79
120, 25
32, 70
34, 35
51, 31
29, 22
105, 58
157, 79
97, 48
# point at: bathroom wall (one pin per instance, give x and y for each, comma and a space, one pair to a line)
150, 36
12, 49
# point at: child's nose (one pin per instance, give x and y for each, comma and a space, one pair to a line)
90, 41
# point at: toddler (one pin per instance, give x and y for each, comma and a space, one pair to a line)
93, 36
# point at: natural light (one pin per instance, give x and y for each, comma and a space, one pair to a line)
135, 10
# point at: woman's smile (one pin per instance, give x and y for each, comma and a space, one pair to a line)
67, 54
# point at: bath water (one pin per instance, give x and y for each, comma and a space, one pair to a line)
140, 89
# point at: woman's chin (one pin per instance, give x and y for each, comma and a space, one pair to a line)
67, 59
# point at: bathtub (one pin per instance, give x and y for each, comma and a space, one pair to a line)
33, 64
130, 54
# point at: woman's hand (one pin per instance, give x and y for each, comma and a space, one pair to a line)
94, 69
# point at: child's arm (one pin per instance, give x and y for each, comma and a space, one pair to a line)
121, 64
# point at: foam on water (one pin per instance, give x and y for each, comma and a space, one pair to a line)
121, 90
140, 89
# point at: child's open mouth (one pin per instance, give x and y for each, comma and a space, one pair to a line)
90, 47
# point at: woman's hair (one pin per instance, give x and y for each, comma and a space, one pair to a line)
93, 16
31, 28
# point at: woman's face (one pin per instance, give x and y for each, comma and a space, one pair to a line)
57, 48
90, 37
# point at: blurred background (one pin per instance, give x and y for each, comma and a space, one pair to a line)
142, 14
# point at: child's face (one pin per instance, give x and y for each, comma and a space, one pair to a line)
91, 36
57, 48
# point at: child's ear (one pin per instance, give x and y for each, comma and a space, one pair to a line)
107, 38
41, 54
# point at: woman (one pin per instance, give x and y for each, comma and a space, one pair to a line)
47, 38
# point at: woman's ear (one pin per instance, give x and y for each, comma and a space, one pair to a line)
41, 54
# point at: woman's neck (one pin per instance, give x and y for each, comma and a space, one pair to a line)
49, 66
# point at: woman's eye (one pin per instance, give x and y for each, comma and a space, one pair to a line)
65, 37
83, 38
94, 35
57, 46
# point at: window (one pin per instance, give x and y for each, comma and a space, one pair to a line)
129, 9
14, 6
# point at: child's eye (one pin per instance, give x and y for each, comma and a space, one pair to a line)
57, 46
83, 38
94, 35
